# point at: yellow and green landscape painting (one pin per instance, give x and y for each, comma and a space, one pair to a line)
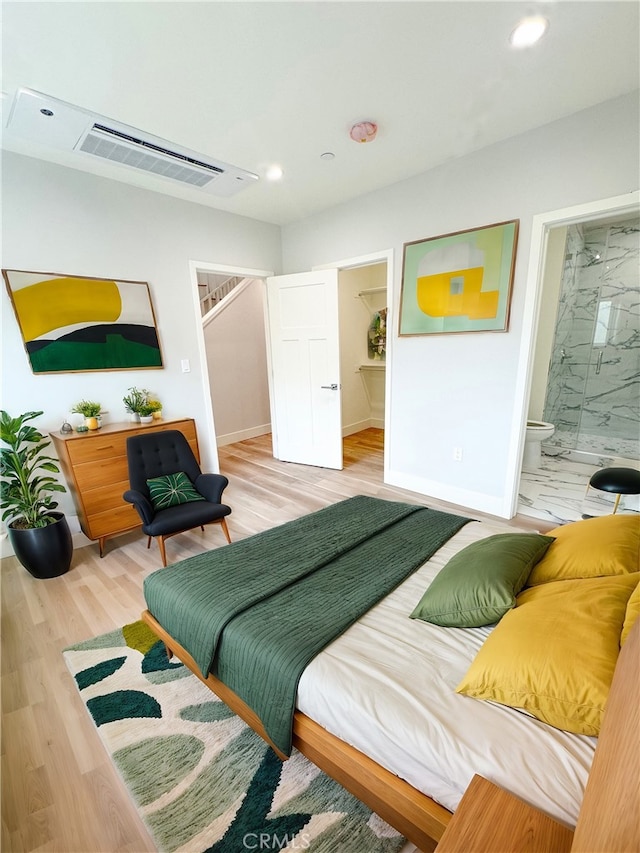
71, 323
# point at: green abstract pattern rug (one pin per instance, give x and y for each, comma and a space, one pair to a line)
200, 778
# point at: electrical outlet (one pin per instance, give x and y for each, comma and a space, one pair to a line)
457, 454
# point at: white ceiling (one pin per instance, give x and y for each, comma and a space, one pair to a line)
257, 83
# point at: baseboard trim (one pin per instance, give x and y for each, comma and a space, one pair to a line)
241, 435
349, 429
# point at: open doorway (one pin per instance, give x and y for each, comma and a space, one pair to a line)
365, 298
362, 305
582, 392
363, 359
235, 361
232, 349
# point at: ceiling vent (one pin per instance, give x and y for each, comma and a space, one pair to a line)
120, 147
56, 124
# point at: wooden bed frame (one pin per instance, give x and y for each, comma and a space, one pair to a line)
612, 792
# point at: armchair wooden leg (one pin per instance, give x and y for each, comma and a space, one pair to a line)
149, 541
163, 553
225, 529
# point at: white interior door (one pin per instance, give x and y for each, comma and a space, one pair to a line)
304, 354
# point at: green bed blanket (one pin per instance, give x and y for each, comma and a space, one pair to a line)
254, 613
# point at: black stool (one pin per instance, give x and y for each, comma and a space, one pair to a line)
619, 481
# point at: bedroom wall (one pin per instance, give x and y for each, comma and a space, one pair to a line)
463, 390
66, 221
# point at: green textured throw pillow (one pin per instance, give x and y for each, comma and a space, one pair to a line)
480, 583
171, 490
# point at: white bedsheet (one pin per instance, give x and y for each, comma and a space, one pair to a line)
387, 687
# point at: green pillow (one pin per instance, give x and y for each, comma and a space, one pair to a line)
480, 583
171, 490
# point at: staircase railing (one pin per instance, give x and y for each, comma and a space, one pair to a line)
217, 294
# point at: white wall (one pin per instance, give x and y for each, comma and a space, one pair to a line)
237, 361
65, 221
465, 390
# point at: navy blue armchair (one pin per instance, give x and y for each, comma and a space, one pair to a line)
157, 455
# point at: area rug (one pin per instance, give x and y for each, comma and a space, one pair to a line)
201, 779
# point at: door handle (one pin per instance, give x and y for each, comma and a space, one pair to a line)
599, 362
333, 387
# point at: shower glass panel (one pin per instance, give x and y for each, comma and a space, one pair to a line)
593, 389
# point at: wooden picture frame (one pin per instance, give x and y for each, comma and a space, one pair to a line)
459, 282
72, 324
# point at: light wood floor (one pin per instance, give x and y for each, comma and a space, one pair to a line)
59, 789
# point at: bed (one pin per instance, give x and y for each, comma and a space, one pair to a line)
380, 706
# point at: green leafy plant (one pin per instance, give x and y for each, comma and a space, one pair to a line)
136, 398
24, 492
88, 408
154, 404
146, 409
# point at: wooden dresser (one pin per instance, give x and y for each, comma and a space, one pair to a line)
95, 467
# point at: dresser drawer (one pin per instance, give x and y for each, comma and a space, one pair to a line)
105, 498
113, 521
93, 447
93, 475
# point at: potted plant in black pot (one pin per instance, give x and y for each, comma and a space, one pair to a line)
40, 537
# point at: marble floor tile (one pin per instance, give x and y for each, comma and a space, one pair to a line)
557, 492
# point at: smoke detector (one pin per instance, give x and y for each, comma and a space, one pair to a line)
57, 124
364, 131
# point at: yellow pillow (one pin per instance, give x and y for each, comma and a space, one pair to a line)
633, 611
555, 653
607, 545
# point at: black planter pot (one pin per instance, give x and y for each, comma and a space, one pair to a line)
45, 552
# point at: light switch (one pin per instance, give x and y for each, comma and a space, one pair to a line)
186, 367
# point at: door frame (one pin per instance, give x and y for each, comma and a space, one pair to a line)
383, 256
211, 458
541, 224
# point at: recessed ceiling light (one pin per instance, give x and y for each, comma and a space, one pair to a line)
529, 31
274, 173
328, 155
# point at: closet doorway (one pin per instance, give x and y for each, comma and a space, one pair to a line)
362, 298
365, 289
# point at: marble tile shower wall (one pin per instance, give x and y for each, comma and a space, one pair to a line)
593, 393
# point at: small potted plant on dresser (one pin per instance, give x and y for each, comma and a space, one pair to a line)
91, 412
146, 413
40, 537
136, 398
156, 408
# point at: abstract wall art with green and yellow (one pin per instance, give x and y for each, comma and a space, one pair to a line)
74, 323
459, 282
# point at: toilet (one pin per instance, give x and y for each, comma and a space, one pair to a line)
536, 433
